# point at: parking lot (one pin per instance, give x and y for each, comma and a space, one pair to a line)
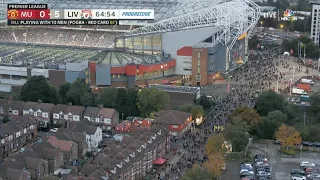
281, 164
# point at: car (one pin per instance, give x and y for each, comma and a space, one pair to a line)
306, 143
245, 167
260, 157
104, 135
306, 163
245, 171
313, 175
277, 142
263, 173
298, 177
54, 130
316, 144
297, 171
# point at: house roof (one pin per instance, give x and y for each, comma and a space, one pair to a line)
171, 117
13, 104
117, 152
68, 109
44, 107
87, 169
67, 134
60, 144
98, 111
15, 174
84, 126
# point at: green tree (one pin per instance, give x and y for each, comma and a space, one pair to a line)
108, 97
80, 93
237, 134
198, 173
5, 119
269, 101
63, 90
36, 88
205, 102
151, 100
132, 102
122, 101
197, 111
55, 99
312, 51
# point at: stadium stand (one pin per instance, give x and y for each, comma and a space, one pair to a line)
69, 37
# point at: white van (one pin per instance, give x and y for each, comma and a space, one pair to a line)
307, 81
298, 91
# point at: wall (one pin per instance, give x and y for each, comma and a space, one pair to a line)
103, 75
184, 61
216, 59
202, 55
77, 66
71, 76
172, 41
179, 99
57, 78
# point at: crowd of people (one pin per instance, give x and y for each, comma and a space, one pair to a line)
258, 74
57, 36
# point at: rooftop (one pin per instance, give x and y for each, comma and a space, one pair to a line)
170, 88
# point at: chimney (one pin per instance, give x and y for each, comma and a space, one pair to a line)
39, 101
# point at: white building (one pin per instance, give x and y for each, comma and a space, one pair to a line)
315, 22
40, 111
93, 133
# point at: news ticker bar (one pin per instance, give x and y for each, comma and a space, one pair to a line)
63, 22
46, 14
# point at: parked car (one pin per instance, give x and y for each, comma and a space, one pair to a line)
313, 176
298, 171
298, 177
305, 143
263, 173
54, 130
245, 171
316, 144
260, 157
306, 163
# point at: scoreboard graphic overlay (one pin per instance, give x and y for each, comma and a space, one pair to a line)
39, 14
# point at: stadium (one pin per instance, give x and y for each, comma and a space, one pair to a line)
198, 39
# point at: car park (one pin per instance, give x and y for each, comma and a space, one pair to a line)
298, 177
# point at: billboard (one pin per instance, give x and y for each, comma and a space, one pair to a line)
237, 54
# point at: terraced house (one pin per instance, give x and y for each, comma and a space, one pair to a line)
131, 158
66, 114
17, 133
10, 108
42, 112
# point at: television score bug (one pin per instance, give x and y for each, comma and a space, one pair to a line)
33, 14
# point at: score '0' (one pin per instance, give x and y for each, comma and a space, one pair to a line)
42, 14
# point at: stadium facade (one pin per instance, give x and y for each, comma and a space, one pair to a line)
199, 39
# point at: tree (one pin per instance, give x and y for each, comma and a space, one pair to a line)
63, 90
215, 145
205, 102
198, 173
5, 119
247, 114
108, 97
288, 136
36, 88
214, 164
80, 93
197, 111
267, 128
269, 101
237, 134
132, 102
151, 100
54, 96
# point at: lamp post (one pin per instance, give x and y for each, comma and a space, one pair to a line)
261, 23
292, 80
277, 83
281, 27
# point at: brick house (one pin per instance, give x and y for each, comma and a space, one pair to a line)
66, 114
68, 148
42, 112
131, 158
177, 122
10, 108
106, 118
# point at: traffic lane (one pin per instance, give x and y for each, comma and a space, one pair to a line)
232, 170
